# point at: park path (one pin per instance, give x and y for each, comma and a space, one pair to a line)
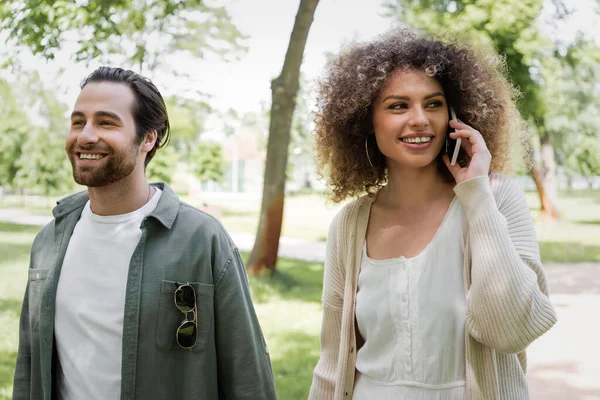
564, 364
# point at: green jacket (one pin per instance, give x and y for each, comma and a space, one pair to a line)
179, 244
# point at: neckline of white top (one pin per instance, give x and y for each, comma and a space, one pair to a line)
421, 254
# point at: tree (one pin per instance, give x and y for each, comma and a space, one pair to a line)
43, 165
163, 165
187, 118
206, 161
572, 115
13, 132
584, 156
283, 98
142, 32
511, 27
301, 137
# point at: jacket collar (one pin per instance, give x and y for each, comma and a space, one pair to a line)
165, 211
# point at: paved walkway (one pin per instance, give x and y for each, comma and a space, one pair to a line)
564, 364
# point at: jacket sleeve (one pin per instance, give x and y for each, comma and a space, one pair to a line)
22, 379
244, 366
324, 376
507, 303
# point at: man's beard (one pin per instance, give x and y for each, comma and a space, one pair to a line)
119, 165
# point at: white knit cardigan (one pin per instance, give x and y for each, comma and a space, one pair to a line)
506, 292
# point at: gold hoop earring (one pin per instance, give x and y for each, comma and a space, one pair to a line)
367, 151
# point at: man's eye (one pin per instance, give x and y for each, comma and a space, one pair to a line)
106, 123
76, 123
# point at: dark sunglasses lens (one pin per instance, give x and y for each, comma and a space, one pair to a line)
186, 335
185, 298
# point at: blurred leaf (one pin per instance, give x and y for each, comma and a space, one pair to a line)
206, 160
145, 32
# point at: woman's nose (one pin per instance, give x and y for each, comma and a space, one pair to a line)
418, 117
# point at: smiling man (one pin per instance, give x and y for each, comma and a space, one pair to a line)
133, 294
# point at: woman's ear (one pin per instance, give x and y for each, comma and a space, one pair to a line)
149, 141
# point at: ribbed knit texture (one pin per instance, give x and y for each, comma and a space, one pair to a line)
506, 291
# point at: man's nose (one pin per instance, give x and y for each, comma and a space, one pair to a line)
87, 135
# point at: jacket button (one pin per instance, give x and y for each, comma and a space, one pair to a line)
351, 350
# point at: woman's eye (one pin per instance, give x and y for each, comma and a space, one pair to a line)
76, 123
399, 106
434, 104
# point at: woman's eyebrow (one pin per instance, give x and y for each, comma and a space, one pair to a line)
429, 96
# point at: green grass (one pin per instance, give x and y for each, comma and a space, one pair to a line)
288, 307
15, 242
289, 310
576, 237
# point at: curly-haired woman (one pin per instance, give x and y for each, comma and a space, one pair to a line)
433, 284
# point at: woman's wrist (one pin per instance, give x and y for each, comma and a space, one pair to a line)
475, 195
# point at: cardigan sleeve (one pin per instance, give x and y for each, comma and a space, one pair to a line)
507, 303
324, 376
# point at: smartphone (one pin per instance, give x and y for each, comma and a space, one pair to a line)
452, 145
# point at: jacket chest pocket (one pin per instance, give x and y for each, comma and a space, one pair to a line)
170, 317
37, 280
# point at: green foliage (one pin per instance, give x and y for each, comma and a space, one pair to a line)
572, 93
32, 142
301, 133
187, 118
145, 32
301, 138
13, 131
162, 167
583, 156
43, 166
206, 161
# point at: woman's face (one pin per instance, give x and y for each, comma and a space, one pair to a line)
410, 119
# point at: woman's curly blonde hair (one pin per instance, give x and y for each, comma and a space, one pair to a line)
474, 84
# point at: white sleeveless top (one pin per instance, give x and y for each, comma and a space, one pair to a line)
411, 313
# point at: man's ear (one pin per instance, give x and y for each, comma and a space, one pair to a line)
149, 141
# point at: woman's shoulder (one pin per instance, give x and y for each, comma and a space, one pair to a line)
509, 195
350, 212
504, 186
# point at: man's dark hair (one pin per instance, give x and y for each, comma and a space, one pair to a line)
149, 111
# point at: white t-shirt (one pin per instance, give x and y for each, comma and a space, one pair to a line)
411, 313
90, 303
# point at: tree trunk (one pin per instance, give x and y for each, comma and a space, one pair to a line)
545, 181
284, 89
549, 210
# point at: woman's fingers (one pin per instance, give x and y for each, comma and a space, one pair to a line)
454, 169
475, 140
467, 146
